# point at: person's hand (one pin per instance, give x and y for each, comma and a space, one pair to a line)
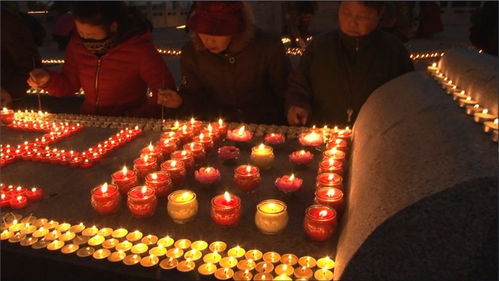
297, 116
169, 98
6, 99
38, 78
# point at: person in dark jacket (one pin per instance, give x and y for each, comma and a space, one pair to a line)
112, 57
19, 56
230, 68
340, 69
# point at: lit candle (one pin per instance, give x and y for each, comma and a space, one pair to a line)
152, 152
301, 157
456, 95
307, 261
329, 180
471, 110
239, 135
207, 175
265, 267
224, 273
212, 257
197, 150
244, 275
338, 143
253, 255
105, 199
207, 269
167, 146
221, 127
34, 194
271, 216
218, 246
271, 257
186, 265
319, 222
490, 126
263, 277
205, 140
148, 261
228, 262
468, 101
331, 166
331, 197
311, 138
262, 156
134, 236
274, 139
334, 154
141, 201
481, 117
176, 170
184, 156
160, 182
225, 209
144, 165
288, 183
325, 263
289, 259
236, 252
303, 272
247, 177
182, 206
7, 115
4, 200
284, 269
18, 202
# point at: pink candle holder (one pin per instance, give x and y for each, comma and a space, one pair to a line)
301, 157
207, 175
240, 135
228, 153
124, 179
176, 170
160, 182
329, 180
320, 222
225, 209
142, 201
185, 156
312, 138
331, 197
275, 139
288, 183
247, 177
105, 199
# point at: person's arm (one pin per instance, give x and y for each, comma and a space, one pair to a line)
66, 83
154, 71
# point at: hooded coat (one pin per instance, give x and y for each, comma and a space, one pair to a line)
117, 82
337, 73
246, 83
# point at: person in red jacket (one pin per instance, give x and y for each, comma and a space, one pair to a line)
113, 59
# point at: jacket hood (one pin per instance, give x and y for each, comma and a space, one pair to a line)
239, 41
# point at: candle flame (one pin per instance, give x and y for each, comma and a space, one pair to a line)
210, 128
292, 177
3, 196
173, 163
146, 158
143, 189
241, 130
207, 170
154, 176
4, 109
496, 121
476, 106
261, 146
220, 122
19, 198
330, 177
124, 170
227, 196
330, 162
193, 120
248, 168
177, 124
485, 111
201, 136
462, 92
323, 213
104, 188
468, 98
302, 152
150, 147
183, 153
330, 192
434, 64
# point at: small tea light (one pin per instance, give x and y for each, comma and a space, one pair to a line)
301, 157
263, 277
271, 216
77, 228
307, 261
228, 262
149, 239
284, 269
175, 253
289, 259
236, 252
262, 156
116, 256
288, 183
134, 236
325, 263
193, 255
224, 273
481, 117
101, 254
169, 263
323, 274
182, 206
303, 272
213, 257
254, 254
119, 233
166, 241
199, 245
85, 252
207, 269
28, 241
218, 246
132, 259
63, 227
40, 232
467, 102
489, 126
186, 265
139, 248
271, 257
239, 135
246, 264
283, 277
110, 243
96, 240
158, 251
70, 248
243, 275
124, 246
311, 138
471, 110
90, 231
149, 261
265, 267
55, 245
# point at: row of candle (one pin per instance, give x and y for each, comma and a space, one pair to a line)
147, 250
18, 197
465, 100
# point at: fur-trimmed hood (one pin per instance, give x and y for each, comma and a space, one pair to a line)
239, 41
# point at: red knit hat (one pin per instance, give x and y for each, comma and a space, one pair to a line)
217, 18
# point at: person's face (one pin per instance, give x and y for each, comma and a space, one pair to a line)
357, 19
214, 43
94, 32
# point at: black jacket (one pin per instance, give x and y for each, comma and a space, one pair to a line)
338, 72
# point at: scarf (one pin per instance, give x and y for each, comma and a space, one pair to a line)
100, 47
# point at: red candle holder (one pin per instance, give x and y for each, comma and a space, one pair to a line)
301, 157
340, 144
144, 165
288, 183
331, 197
197, 151
221, 127
320, 222
225, 209
185, 156
331, 166
344, 134
5, 200
185, 134
213, 133
207, 175
152, 152
329, 180
18, 202
142, 201
228, 153
7, 116
105, 199
334, 154
247, 177
274, 139
167, 146
195, 125
160, 182
239, 135
124, 179
176, 170
205, 140
311, 138
34, 194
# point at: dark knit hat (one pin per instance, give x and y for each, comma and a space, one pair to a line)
217, 18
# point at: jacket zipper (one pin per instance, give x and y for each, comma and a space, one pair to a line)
97, 83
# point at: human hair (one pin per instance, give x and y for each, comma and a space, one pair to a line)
378, 5
101, 13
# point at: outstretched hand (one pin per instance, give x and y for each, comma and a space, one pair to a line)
297, 116
169, 98
38, 78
